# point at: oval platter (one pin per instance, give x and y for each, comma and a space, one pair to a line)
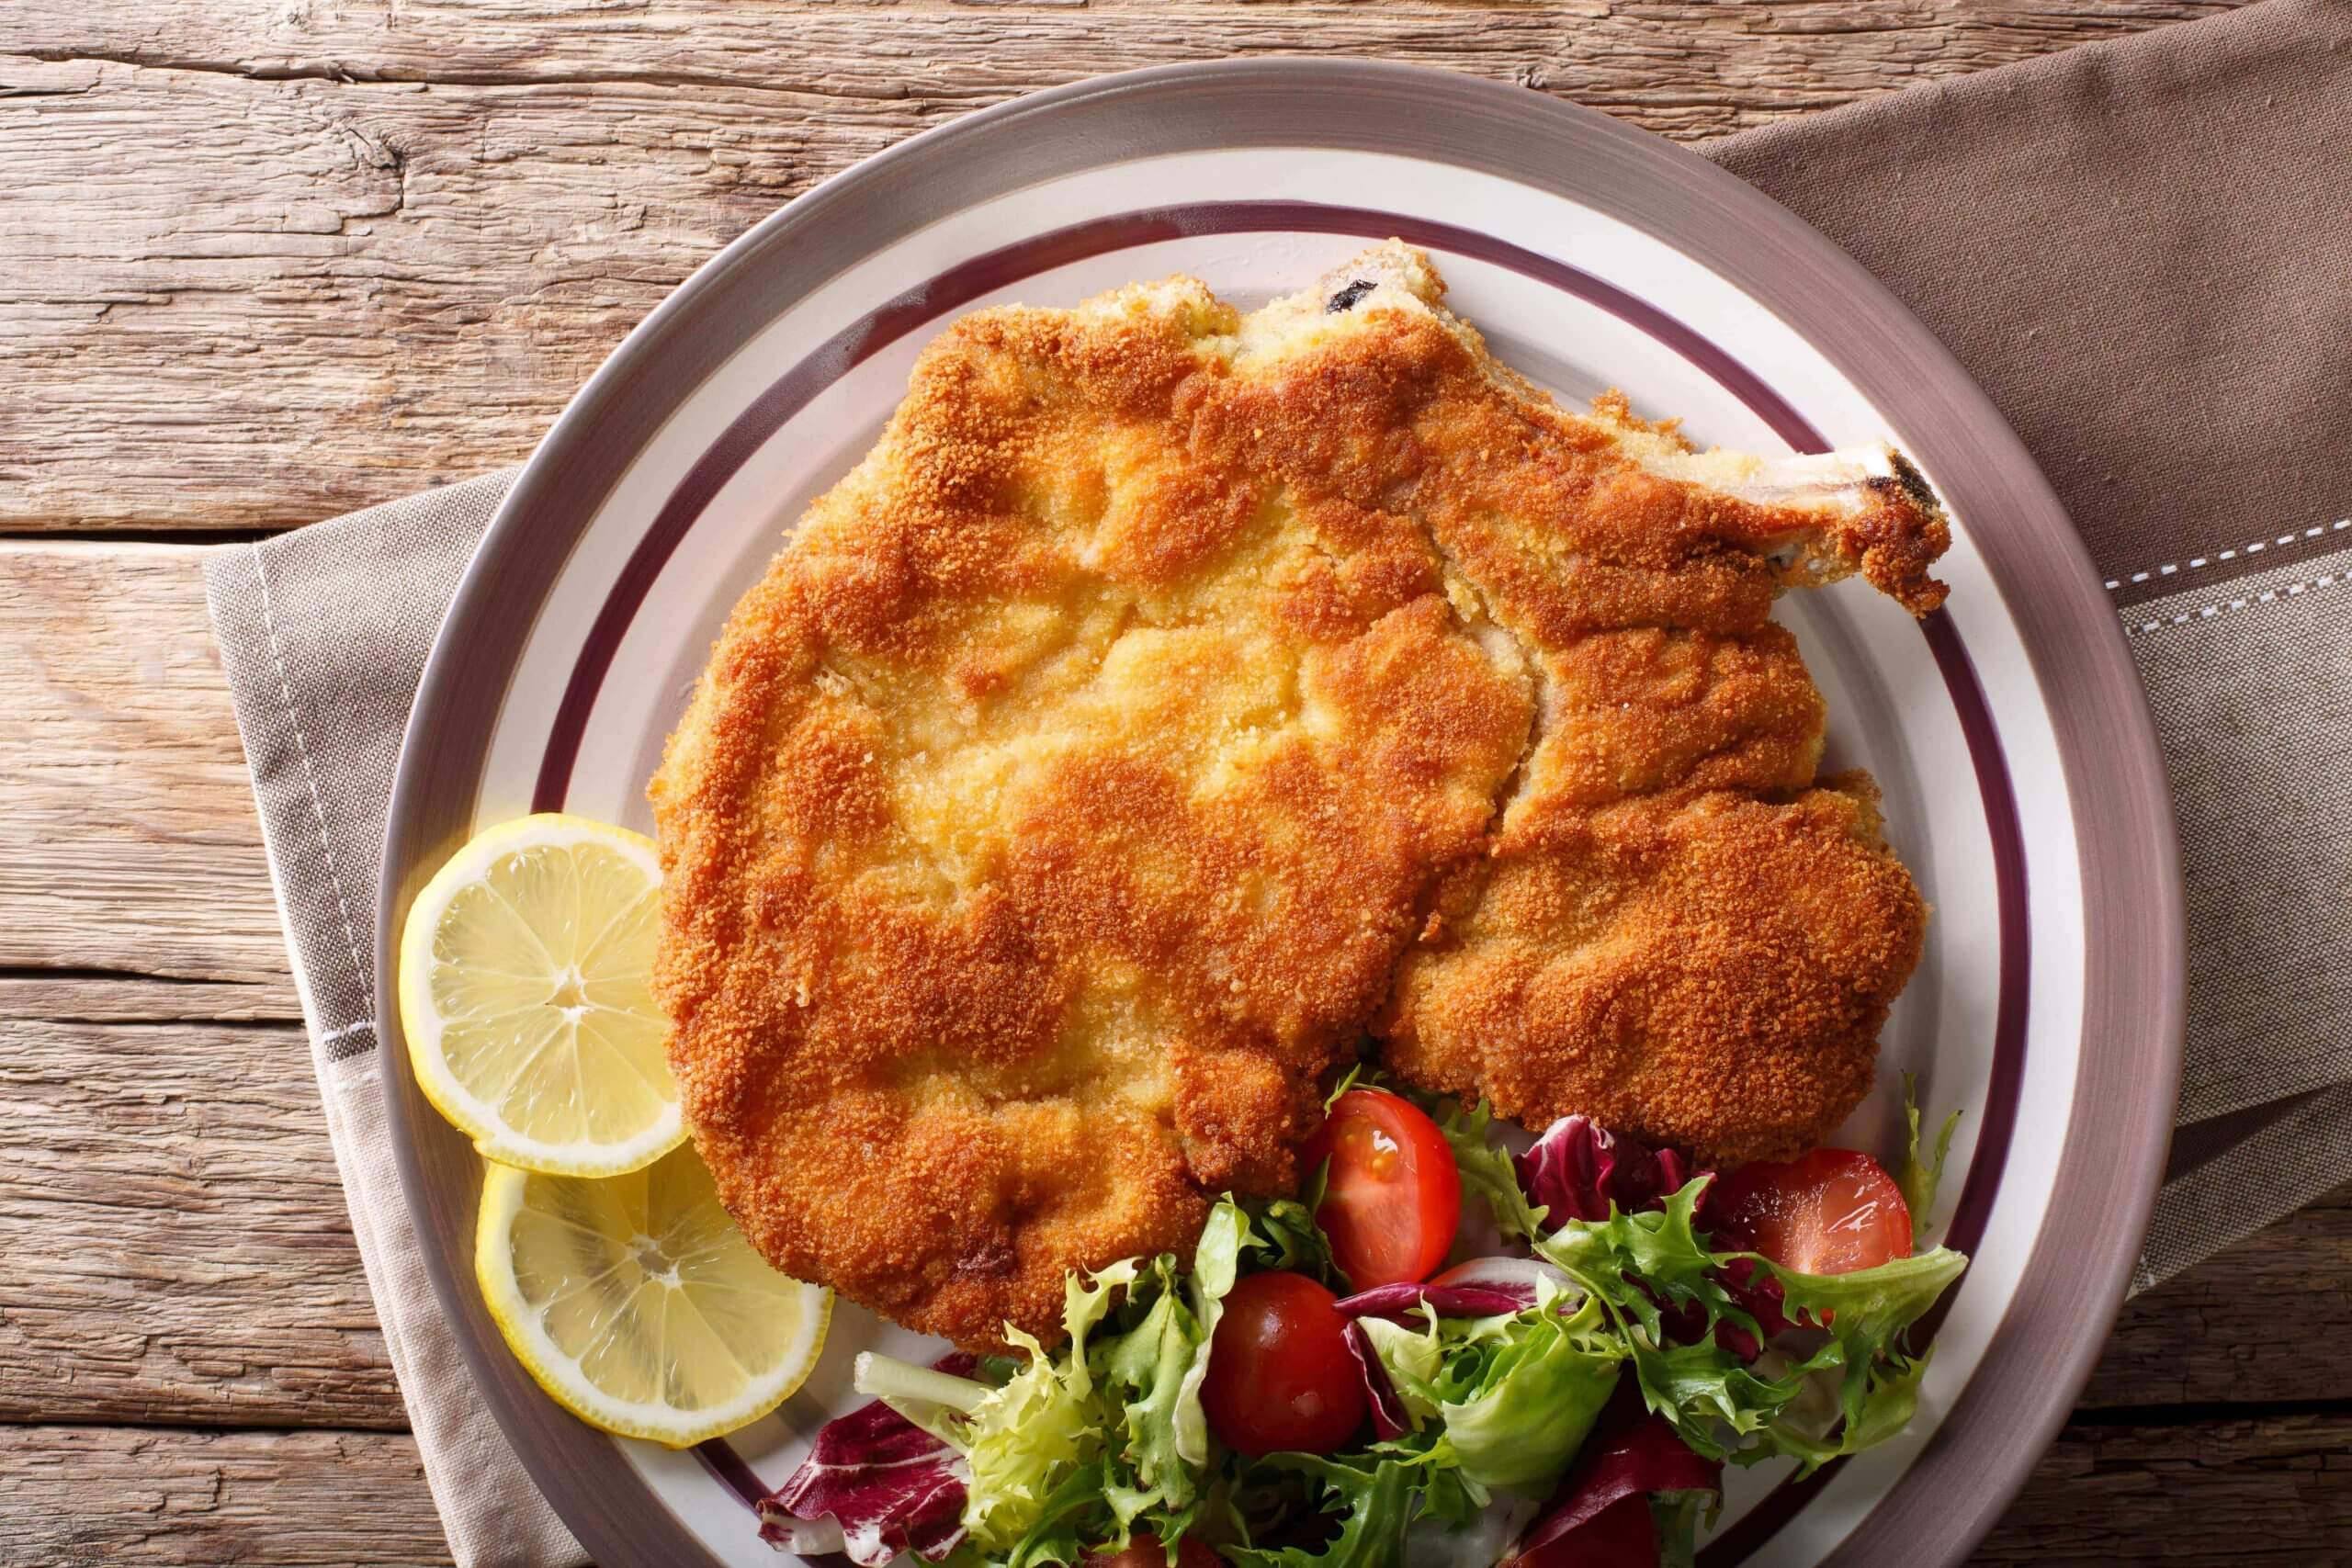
2021, 776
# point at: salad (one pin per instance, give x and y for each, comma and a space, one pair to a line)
1320, 1390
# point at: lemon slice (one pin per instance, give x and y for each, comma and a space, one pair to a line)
526, 995
636, 1303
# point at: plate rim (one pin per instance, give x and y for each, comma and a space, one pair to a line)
2120, 1121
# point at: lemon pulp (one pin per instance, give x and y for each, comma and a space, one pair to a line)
638, 1305
525, 991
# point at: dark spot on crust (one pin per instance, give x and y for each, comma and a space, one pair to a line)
990, 1261
1914, 483
1345, 299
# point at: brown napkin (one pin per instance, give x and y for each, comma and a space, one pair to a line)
2136, 248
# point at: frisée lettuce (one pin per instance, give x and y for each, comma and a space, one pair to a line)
1528, 1395
1588, 1383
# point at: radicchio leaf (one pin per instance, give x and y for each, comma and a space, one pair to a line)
1500, 1286
1600, 1516
1577, 1169
874, 1485
1755, 1292
1760, 1295
1580, 1168
1482, 1300
1388, 1416
1623, 1534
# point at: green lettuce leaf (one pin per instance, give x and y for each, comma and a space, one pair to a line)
1412, 1359
1706, 1392
1866, 1313
1676, 1516
1487, 1171
1374, 1506
1143, 1370
1216, 1261
1659, 1248
1358, 1073
1057, 1535
1022, 1440
1537, 1392
1721, 1406
1447, 1495
1284, 1235
1919, 1178
937, 1402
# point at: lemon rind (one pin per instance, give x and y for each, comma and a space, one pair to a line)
557, 1375
421, 1026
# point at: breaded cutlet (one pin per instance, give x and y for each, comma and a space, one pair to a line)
1172, 695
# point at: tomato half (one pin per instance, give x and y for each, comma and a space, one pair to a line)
1394, 1195
1830, 1212
1281, 1378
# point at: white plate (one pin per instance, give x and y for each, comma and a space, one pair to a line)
2021, 782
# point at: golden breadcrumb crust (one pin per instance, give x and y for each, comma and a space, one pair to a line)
1124, 737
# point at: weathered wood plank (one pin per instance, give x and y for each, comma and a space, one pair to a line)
1735, 57
2222, 1495
2270, 1319
432, 220
176, 1244
63, 996
99, 1496
128, 841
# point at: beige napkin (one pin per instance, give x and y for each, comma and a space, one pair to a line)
2136, 248
323, 632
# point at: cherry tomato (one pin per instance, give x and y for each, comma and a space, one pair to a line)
1394, 1195
1281, 1376
1830, 1212
1144, 1551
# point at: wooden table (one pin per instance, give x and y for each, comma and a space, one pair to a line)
262, 264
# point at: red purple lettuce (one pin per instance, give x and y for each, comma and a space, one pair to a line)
1388, 1414
1600, 1516
875, 1485
1445, 1301
1577, 1169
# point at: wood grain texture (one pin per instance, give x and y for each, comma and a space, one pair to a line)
129, 842
66, 996
2266, 1321
433, 219
172, 1238
98, 1498
2276, 1491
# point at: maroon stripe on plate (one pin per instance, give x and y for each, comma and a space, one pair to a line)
731, 1471
984, 274
1974, 1210
1991, 1159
